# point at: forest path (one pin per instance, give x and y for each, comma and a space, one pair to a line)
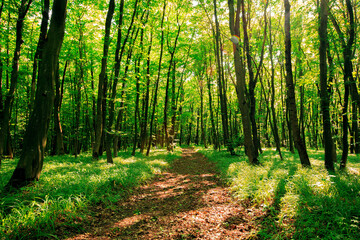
187, 202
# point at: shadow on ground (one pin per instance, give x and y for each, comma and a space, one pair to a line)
187, 202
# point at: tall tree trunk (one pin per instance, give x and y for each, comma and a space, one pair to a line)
190, 124
355, 128
99, 125
40, 46
31, 160
241, 84
143, 134
252, 82
272, 101
9, 100
172, 131
120, 49
221, 84
58, 148
213, 127
172, 51
137, 72
299, 143
349, 81
1, 77
203, 136
330, 157
157, 80
121, 114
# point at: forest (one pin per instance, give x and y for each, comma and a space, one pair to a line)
99, 99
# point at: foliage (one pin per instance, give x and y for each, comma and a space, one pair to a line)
68, 187
300, 203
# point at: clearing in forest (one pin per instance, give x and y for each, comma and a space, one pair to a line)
187, 202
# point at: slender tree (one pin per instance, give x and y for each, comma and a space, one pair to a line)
299, 143
330, 157
157, 80
99, 125
5, 116
240, 84
221, 84
30, 164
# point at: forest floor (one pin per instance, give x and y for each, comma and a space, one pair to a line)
189, 201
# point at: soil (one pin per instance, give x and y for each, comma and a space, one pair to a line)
187, 202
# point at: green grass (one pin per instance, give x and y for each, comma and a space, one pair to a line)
298, 203
67, 187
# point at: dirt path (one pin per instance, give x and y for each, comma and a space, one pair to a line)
188, 202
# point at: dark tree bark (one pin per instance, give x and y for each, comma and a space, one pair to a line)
121, 114
30, 164
99, 125
349, 81
40, 46
190, 125
330, 157
299, 143
157, 80
9, 99
58, 147
272, 101
143, 134
172, 51
221, 85
212, 119
137, 72
355, 129
202, 124
241, 84
120, 49
252, 79
1, 76
120, 117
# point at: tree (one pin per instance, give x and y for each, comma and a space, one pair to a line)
330, 157
157, 80
30, 164
240, 84
9, 100
349, 81
99, 125
299, 143
221, 84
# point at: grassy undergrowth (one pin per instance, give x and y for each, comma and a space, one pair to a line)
67, 187
298, 203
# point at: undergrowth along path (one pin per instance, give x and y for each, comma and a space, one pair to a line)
187, 202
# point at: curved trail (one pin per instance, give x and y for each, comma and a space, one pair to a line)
187, 202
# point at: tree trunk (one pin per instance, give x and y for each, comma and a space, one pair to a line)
241, 84
272, 101
1, 77
99, 125
330, 157
172, 51
146, 101
9, 100
30, 164
39, 49
157, 80
252, 82
221, 85
137, 72
58, 148
299, 143
120, 49
349, 81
